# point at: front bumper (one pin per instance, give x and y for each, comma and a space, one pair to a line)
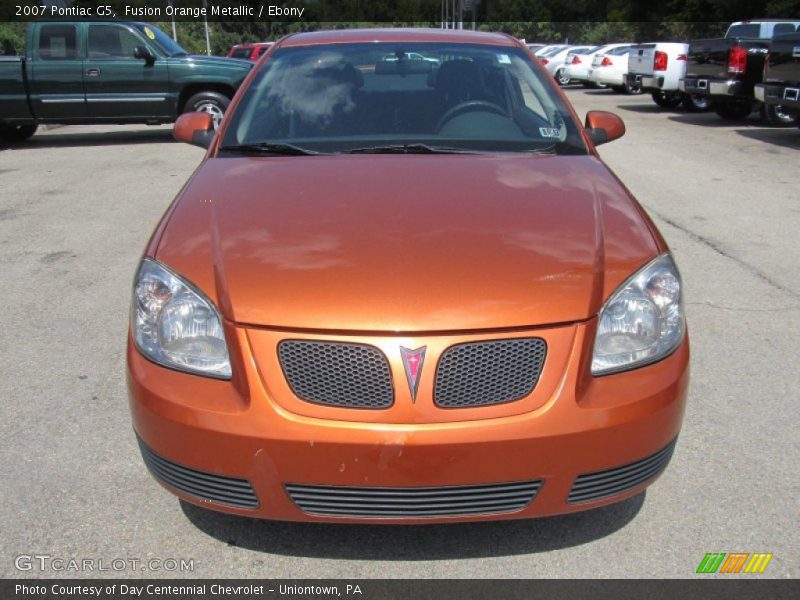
779, 93
729, 88
239, 436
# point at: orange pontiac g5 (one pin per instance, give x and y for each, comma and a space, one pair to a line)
402, 287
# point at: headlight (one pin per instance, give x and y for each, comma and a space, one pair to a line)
174, 325
642, 322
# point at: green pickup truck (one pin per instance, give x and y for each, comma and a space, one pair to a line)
85, 72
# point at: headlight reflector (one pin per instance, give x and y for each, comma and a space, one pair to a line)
642, 322
175, 325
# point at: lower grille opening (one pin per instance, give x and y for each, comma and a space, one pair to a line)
201, 485
413, 502
603, 484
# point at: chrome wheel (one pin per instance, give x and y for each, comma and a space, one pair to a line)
213, 109
562, 77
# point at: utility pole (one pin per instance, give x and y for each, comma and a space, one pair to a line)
205, 24
174, 28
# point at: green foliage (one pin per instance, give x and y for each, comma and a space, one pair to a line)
12, 38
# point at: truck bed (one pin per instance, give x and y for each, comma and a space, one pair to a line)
709, 58
784, 59
13, 96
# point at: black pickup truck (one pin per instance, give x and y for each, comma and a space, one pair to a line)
781, 86
726, 70
84, 72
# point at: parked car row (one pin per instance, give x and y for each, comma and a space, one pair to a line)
756, 66
734, 73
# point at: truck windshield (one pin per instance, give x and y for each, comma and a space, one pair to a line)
403, 96
748, 30
161, 40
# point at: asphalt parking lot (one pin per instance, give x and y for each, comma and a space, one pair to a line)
77, 205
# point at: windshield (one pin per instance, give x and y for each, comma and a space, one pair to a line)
161, 40
391, 96
241, 53
750, 30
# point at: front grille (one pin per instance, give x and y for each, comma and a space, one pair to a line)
602, 484
201, 485
413, 502
337, 374
485, 373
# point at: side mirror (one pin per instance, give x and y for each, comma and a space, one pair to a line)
603, 127
144, 53
196, 128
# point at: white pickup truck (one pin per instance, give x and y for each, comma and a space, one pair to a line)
658, 68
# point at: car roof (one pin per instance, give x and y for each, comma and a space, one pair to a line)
252, 44
400, 34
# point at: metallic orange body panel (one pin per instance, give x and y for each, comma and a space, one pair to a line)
235, 428
406, 251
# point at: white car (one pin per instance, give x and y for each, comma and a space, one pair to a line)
543, 51
554, 61
610, 68
658, 68
579, 64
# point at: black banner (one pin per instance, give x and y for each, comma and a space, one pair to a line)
401, 11
732, 588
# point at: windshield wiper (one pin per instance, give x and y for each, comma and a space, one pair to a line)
269, 148
409, 149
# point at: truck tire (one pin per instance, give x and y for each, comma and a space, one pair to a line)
212, 103
779, 116
696, 103
16, 133
631, 89
667, 100
733, 111
562, 77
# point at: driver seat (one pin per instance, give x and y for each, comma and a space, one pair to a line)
459, 81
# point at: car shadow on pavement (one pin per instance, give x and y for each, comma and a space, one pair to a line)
710, 119
108, 138
415, 542
650, 107
788, 137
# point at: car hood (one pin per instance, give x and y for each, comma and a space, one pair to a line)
218, 61
406, 243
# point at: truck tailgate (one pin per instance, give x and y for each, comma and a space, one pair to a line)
13, 95
709, 58
640, 59
784, 59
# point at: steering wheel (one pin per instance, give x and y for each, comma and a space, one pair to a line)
468, 106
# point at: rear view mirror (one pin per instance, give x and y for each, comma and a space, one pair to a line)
144, 53
603, 127
196, 128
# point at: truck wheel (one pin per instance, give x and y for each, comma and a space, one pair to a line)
634, 89
696, 103
666, 100
212, 103
562, 77
733, 111
16, 133
779, 116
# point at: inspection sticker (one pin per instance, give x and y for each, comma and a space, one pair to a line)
548, 132
503, 59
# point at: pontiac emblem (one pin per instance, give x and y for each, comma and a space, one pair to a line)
412, 362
